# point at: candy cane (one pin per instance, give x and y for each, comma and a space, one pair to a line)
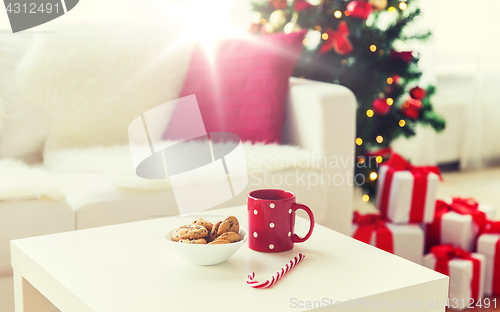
277, 277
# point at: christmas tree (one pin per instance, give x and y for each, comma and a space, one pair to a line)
353, 43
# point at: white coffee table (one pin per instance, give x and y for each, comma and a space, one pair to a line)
129, 267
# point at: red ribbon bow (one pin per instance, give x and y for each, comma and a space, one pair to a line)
338, 40
420, 173
369, 223
405, 56
494, 228
464, 206
448, 252
380, 152
301, 5
444, 253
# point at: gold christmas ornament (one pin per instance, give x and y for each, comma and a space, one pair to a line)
269, 28
278, 19
378, 5
291, 27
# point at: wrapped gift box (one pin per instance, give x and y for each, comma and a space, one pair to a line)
466, 272
403, 240
457, 222
406, 193
489, 245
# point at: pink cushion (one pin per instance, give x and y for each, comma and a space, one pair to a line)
243, 90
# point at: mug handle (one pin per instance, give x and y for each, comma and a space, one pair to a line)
296, 238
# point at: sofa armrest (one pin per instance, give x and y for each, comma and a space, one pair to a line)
321, 117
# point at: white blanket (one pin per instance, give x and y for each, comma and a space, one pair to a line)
19, 181
116, 163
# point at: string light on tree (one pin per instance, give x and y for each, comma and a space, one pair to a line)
337, 14
402, 123
402, 6
379, 139
324, 36
391, 10
373, 175
359, 141
379, 159
369, 113
390, 80
365, 198
378, 5
373, 48
390, 101
361, 160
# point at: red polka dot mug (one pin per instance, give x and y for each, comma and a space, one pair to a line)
271, 220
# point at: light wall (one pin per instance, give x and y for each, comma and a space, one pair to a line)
462, 60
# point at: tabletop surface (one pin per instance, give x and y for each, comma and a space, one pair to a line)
129, 267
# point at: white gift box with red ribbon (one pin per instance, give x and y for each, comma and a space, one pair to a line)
407, 240
401, 194
489, 245
457, 229
460, 274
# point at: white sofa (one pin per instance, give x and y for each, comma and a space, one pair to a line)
319, 118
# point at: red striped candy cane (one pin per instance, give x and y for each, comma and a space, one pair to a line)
278, 276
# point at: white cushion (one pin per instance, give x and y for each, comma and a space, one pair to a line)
93, 80
23, 128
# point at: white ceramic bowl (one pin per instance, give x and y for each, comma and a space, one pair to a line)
204, 254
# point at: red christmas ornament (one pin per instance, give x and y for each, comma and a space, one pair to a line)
380, 106
279, 4
254, 28
417, 93
301, 5
338, 40
405, 56
411, 108
359, 9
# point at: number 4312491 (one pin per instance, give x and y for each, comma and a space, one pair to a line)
32, 8
454, 303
